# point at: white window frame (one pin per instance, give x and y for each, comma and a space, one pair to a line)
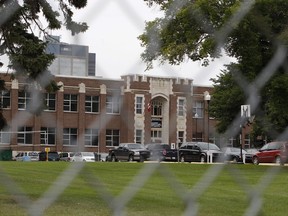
112, 104
139, 136
156, 133
112, 139
50, 101
156, 108
139, 104
70, 103
5, 137
181, 106
25, 135
198, 107
91, 135
48, 136
92, 103
23, 100
5, 99
70, 136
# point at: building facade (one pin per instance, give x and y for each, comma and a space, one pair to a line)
94, 114
70, 59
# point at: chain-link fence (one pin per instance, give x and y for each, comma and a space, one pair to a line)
117, 204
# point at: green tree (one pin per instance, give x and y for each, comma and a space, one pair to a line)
197, 30
21, 43
26, 51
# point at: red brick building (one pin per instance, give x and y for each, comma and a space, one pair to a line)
95, 114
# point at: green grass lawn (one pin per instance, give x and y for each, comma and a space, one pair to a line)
166, 192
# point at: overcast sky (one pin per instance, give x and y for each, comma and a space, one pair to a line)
113, 30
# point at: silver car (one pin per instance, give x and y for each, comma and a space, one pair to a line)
83, 157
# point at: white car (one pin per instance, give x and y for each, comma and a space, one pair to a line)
83, 157
27, 156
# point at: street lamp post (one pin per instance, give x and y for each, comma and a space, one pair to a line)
196, 134
207, 98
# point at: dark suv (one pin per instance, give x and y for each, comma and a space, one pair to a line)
52, 156
273, 152
198, 151
129, 152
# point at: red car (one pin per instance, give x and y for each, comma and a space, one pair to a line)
273, 152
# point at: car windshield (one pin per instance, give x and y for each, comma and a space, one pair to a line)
211, 146
135, 146
237, 150
158, 146
251, 151
53, 154
276, 145
88, 154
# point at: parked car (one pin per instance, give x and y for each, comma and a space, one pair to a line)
249, 154
273, 152
26, 156
83, 157
197, 152
102, 157
233, 154
129, 152
66, 156
162, 152
52, 156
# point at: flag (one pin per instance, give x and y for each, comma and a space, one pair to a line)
149, 106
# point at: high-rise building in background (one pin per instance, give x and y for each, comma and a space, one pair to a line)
71, 59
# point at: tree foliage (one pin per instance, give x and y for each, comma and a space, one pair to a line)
20, 26
198, 29
20, 41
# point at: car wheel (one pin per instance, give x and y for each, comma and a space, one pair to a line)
234, 160
113, 158
182, 159
141, 159
255, 161
130, 159
202, 159
278, 160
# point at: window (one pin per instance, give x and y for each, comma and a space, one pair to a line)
112, 137
70, 102
50, 101
70, 136
5, 99
79, 67
198, 107
181, 107
113, 104
24, 135
23, 99
92, 104
48, 136
139, 105
156, 133
180, 137
138, 137
156, 108
5, 137
91, 137
65, 65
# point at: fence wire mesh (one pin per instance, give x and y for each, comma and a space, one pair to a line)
190, 197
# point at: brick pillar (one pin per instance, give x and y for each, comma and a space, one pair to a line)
81, 119
102, 129
14, 111
59, 118
173, 119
